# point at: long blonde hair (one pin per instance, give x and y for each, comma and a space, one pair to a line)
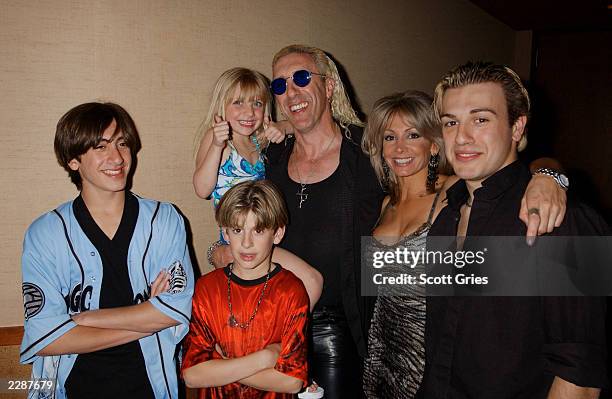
341, 108
252, 84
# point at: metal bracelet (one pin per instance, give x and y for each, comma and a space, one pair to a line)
211, 250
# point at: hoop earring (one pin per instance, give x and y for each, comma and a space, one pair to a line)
432, 172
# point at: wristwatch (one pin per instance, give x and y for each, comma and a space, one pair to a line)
560, 178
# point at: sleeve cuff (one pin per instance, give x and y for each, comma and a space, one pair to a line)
581, 364
30, 345
174, 313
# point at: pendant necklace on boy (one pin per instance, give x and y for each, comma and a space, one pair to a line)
302, 195
232, 321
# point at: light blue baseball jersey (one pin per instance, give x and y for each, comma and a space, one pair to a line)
62, 275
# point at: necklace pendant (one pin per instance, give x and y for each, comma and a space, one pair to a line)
302, 195
232, 322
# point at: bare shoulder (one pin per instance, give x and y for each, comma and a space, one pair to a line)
384, 205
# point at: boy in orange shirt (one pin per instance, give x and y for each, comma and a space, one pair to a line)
247, 336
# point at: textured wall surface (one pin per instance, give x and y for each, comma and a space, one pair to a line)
159, 59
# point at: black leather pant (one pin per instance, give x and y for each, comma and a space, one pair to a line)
334, 361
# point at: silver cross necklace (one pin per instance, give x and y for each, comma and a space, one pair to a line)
301, 194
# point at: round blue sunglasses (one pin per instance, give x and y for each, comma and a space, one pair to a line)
301, 78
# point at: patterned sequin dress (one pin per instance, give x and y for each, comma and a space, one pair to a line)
396, 340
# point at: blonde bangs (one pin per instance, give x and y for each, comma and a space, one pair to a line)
247, 90
246, 83
263, 218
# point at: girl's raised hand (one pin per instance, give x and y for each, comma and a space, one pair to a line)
221, 132
273, 131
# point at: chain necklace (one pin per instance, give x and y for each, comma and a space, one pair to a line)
247, 148
302, 195
232, 321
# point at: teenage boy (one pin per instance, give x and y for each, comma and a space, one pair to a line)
107, 279
247, 334
504, 347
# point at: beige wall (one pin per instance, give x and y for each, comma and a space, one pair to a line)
159, 60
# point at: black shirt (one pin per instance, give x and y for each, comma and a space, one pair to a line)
315, 224
358, 205
509, 347
118, 371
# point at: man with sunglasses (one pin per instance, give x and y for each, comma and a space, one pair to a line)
333, 198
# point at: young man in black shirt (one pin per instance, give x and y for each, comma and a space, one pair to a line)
503, 347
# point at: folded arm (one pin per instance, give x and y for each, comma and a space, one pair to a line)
273, 381
81, 339
561, 389
289, 373
141, 318
220, 372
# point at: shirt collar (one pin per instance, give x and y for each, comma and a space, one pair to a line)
492, 187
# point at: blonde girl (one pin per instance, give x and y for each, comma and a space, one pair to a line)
236, 130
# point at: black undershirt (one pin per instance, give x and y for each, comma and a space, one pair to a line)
118, 371
314, 231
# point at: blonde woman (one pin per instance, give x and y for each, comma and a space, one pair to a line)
405, 147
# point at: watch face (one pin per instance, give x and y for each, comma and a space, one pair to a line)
564, 180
